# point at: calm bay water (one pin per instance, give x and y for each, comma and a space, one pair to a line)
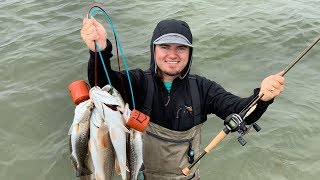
237, 44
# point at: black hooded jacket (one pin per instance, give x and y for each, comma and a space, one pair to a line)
170, 110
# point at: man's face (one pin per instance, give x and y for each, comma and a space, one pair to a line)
171, 59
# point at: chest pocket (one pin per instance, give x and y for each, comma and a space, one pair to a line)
189, 113
185, 117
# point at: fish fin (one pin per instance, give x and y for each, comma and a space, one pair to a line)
104, 128
118, 169
89, 148
117, 166
90, 104
81, 111
106, 88
126, 113
70, 129
102, 135
74, 127
125, 129
95, 118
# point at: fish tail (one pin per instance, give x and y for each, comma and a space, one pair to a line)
117, 166
83, 172
80, 171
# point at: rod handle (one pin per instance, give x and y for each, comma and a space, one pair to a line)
216, 140
186, 171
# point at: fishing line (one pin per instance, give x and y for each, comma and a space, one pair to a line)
300, 57
294, 62
96, 9
120, 74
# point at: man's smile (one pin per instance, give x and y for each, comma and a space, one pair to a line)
172, 62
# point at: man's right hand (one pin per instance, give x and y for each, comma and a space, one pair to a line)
92, 31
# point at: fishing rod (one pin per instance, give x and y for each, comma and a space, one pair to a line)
258, 97
235, 122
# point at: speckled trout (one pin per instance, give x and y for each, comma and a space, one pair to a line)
79, 137
108, 106
134, 153
134, 148
101, 148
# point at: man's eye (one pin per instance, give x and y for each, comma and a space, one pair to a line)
182, 48
164, 47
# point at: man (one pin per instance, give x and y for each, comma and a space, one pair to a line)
177, 102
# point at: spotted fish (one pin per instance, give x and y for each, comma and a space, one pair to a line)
101, 148
108, 106
79, 138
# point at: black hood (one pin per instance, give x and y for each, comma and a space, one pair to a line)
171, 26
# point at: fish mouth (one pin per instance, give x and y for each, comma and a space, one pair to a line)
112, 107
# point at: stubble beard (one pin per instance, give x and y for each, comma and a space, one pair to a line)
172, 74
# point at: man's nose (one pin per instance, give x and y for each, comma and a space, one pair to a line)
172, 53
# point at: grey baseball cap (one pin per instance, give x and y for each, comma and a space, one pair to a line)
172, 38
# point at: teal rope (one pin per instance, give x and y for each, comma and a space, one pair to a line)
102, 61
98, 9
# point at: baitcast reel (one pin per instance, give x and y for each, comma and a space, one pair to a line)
235, 123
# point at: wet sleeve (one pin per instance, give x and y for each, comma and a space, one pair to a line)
259, 110
96, 71
97, 75
223, 103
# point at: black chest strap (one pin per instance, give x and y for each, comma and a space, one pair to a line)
147, 105
195, 95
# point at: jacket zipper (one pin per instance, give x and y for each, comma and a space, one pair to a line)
168, 100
